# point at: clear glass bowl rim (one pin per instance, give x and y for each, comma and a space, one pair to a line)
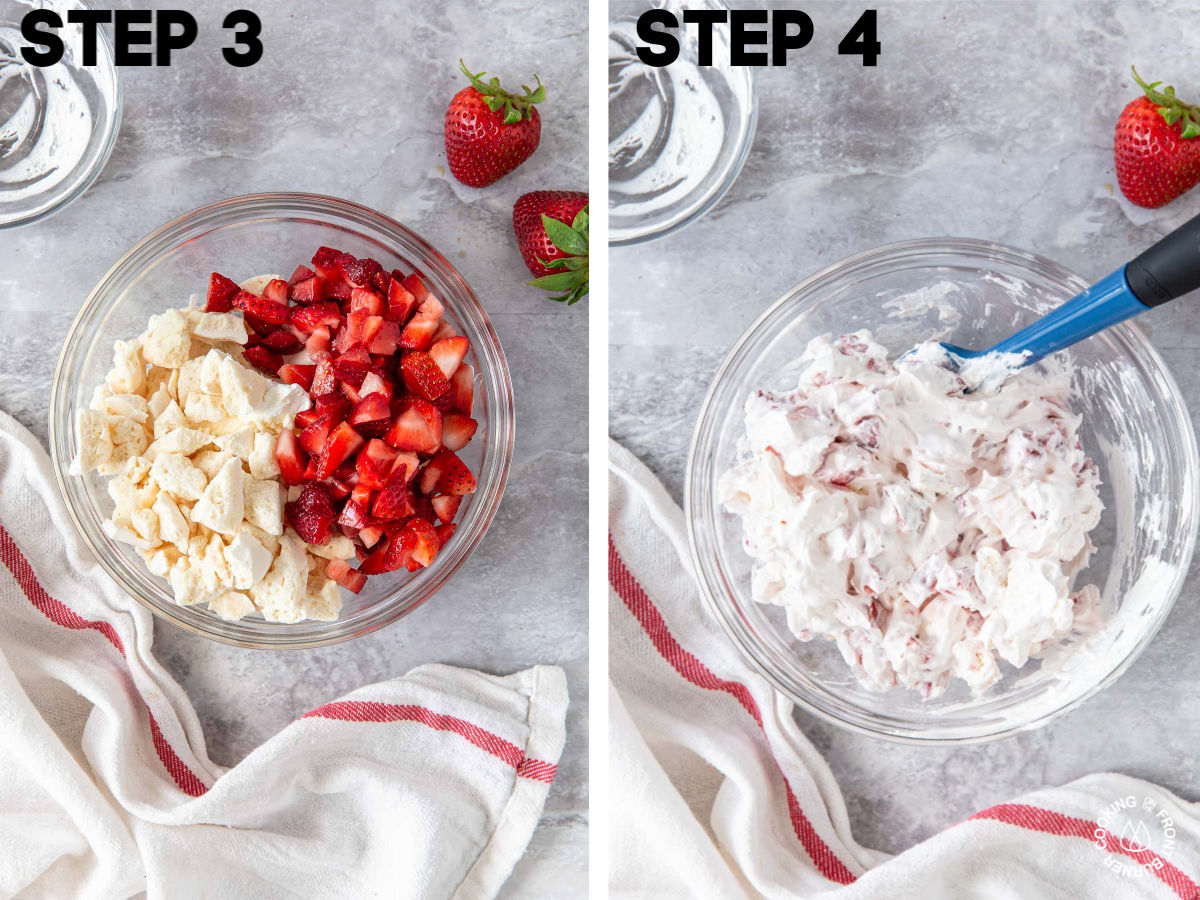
745, 139
497, 383
698, 509
112, 126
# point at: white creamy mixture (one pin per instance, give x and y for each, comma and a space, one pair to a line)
930, 532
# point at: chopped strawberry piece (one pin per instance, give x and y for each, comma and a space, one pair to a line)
317, 345
302, 273
354, 516
400, 550
375, 464
259, 326
418, 426
362, 495
311, 514
449, 354
446, 531
283, 342
327, 258
418, 333
422, 375
431, 474
371, 534
310, 471
394, 501
310, 290
276, 291
334, 403
338, 288
221, 292
297, 374
343, 442
262, 358
308, 318
371, 408
415, 286
324, 379
315, 436
351, 579
385, 340
400, 302
457, 430
306, 417
338, 489
446, 506
352, 367
261, 308
350, 334
463, 385
426, 541
444, 330
373, 563
453, 476
290, 458
374, 383
411, 464
366, 300
360, 272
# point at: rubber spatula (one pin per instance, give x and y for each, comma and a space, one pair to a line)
1169, 269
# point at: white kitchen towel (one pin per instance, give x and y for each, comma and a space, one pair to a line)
426, 786
716, 793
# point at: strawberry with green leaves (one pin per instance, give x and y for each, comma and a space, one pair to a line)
490, 131
1157, 146
552, 234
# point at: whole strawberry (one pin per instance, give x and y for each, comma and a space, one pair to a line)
1157, 146
552, 234
489, 132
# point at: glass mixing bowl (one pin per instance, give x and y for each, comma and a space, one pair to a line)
242, 237
1135, 426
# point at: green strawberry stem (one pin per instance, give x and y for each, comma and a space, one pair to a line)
515, 107
572, 240
1171, 108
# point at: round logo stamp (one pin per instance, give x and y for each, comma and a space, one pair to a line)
1136, 835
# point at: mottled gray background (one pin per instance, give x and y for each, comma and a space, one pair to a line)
348, 100
984, 120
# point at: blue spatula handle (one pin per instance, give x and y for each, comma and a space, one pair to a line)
1169, 269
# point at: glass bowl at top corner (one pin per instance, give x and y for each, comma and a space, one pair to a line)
1135, 427
58, 123
678, 134
242, 237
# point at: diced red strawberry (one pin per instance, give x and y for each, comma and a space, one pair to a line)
262, 358
393, 501
411, 464
444, 330
315, 436
374, 383
306, 417
375, 463
374, 562
283, 342
415, 286
422, 375
261, 308
290, 457
324, 380
327, 258
354, 516
453, 476
371, 534
351, 579
310, 471
310, 290
400, 302
445, 531
431, 474
457, 430
463, 385
446, 506
362, 495
350, 334
385, 340
260, 327
276, 290
366, 300
221, 292
400, 550
308, 318
352, 367
338, 489
371, 408
343, 442
302, 273
311, 514
418, 333
423, 508
335, 403
427, 544
317, 345
297, 374
449, 354
360, 272
418, 426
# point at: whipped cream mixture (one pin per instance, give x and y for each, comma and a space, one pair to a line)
930, 531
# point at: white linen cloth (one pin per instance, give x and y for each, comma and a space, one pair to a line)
716, 793
427, 786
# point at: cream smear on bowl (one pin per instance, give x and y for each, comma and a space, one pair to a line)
677, 133
54, 123
930, 532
